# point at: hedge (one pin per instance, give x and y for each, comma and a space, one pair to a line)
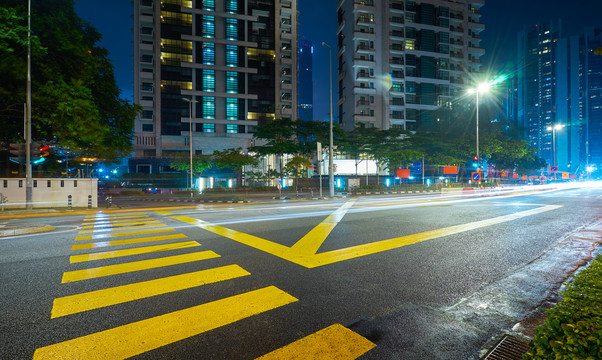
573, 329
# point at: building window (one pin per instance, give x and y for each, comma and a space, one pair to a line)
146, 86
208, 5
232, 6
208, 26
208, 107
231, 129
231, 109
231, 29
410, 45
146, 59
208, 80
231, 82
209, 128
209, 53
147, 114
147, 127
231, 55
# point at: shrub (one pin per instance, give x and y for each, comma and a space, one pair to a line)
573, 329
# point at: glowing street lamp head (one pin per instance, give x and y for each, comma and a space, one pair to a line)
483, 87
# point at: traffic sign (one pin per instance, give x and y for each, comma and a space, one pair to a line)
475, 176
553, 168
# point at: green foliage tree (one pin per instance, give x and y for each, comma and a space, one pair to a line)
200, 163
75, 99
234, 159
293, 166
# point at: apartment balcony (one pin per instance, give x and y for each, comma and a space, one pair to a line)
476, 25
363, 118
364, 76
396, 49
456, 43
363, 62
476, 50
456, 55
364, 33
363, 90
144, 141
364, 48
456, 17
340, 26
456, 29
396, 35
362, 103
396, 8
363, 5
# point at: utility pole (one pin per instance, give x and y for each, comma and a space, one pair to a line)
28, 181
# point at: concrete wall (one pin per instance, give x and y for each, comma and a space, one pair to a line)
50, 193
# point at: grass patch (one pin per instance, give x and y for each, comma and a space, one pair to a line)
573, 329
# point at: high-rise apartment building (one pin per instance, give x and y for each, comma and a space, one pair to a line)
400, 60
232, 62
537, 47
306, 83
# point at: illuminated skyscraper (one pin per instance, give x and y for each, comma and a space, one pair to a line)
236, 60
306, 83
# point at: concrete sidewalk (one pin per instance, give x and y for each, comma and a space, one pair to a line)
8, 230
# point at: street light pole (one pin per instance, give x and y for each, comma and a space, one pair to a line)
330, 159
190, 101
28, 181
481, 88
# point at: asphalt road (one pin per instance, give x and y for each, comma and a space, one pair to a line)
382, 277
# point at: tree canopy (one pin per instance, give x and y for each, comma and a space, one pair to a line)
76, 103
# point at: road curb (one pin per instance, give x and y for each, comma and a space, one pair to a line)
26, 230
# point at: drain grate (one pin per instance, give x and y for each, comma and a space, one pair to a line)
508, 348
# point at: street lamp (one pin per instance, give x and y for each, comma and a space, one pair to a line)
190, 101
330, 160
481, 88
554, 128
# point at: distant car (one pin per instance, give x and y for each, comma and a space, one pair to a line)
151, 190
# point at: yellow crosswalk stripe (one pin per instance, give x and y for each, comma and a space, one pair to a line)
335, 342
119, 234
145, 335
104, 221
91, 273
126, 242
96, 299
119, 225
112, 216
123, 228
164, 212
129, 252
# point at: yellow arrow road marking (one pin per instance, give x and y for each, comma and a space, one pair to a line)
91, 273
134, 251
335, 342
117, 295
136, 338
300, 256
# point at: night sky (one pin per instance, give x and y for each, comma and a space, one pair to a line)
502, 19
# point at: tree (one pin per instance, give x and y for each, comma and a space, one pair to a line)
200, 163
75, 99
294, 164
234, 159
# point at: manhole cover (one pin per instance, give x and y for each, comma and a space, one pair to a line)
508, 348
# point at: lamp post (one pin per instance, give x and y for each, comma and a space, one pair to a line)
554, 128
481, 88
190, 101
330, 160
27, 135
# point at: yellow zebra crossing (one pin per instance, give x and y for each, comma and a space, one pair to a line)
142, 336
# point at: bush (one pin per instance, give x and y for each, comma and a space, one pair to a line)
573, 329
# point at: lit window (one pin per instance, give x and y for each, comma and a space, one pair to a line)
231, 109
231, 129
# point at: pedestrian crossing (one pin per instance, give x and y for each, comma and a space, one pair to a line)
99, 235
